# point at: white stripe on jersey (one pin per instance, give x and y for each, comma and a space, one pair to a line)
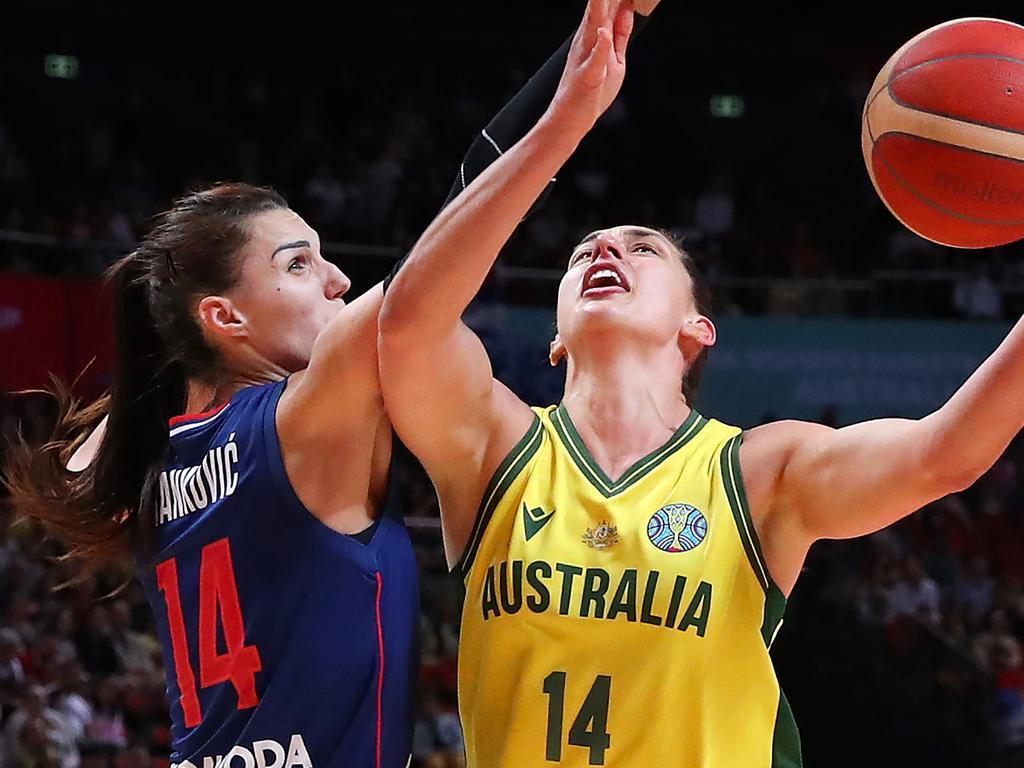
196, 424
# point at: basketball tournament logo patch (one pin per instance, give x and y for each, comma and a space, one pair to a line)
677, 528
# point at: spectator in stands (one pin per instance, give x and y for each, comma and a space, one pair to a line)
96, 646
998, 651
33, 748
976, 591
34, 710
71, 699
915, 594
107, 728
437, 739
137, 654
12, 673
975, 296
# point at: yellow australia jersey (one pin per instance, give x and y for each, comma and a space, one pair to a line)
623, 623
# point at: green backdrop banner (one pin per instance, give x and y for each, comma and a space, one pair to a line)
786, 368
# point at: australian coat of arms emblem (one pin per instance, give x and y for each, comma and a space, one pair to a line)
604, 536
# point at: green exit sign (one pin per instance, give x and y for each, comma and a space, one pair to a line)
727, 105
60, 66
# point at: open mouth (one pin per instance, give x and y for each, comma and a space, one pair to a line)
604, 278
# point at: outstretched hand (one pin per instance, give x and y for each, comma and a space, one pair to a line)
645, 7
596, 66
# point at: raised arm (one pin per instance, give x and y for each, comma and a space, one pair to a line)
342, 379
836, 484
435, 374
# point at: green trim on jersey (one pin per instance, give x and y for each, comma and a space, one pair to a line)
774, 607
786, 739
576, 448
737, 495
502, 478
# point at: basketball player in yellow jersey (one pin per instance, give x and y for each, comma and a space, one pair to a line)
626, 560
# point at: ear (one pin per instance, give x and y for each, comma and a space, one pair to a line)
220, 316
556, 351
701, 330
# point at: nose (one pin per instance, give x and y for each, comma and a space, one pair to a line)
606, 246
337, 283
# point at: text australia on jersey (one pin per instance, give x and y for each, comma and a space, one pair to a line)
572, 590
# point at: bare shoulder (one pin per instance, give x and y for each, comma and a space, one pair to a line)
765, 452
782, 436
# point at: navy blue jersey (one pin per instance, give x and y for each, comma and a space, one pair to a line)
287, 643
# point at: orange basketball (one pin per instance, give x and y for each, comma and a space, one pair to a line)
943, 133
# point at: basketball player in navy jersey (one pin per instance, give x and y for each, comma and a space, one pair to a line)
243, 463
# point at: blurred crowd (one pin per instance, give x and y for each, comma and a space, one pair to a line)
775, 202
946, 589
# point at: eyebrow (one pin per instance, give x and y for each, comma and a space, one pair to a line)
634, 232
289, 246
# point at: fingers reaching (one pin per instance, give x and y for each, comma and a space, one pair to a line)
622, 29
596, 65
597, 15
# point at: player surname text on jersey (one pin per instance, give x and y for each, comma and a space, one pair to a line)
265, 753
185, 490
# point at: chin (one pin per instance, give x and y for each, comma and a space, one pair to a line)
604, 311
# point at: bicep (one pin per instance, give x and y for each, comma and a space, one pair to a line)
859, 479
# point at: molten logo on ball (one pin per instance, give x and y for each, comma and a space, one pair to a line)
988, 191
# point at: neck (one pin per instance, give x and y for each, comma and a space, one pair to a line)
625, 401
202, 396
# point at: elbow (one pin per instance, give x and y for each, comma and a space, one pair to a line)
949, 464
399, 317
390, 321
413, 314
953, 475
959, 481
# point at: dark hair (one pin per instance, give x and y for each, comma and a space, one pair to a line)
190, 251
702, 303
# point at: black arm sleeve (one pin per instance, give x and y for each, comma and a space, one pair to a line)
511, 124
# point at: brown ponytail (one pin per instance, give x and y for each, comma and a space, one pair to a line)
191, 251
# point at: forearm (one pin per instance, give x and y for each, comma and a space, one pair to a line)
513, 122
518, 116
449, 263
974, 427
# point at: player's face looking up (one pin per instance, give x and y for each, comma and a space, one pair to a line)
286, 294
628, 279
